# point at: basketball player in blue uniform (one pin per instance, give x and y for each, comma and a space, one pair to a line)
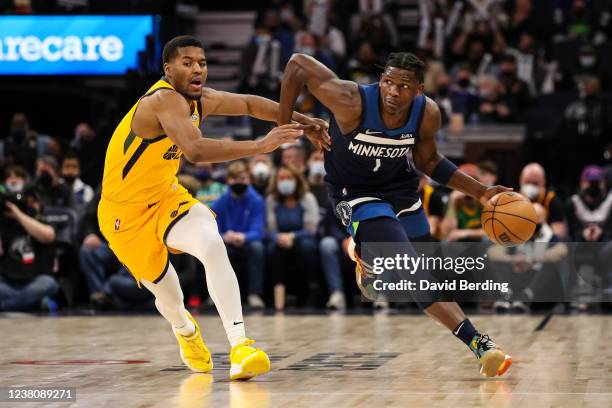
380, 133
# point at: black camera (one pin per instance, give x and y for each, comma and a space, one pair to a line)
19, 199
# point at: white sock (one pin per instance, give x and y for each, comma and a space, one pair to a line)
169, 301
197, 234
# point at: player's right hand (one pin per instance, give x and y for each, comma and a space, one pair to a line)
282, 134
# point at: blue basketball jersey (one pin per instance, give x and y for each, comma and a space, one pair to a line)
373, 158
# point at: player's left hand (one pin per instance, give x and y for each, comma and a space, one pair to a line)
318, 134
491, 192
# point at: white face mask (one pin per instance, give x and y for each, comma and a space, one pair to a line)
316, 168
308, 51
15, 187
286, 187
261, 170
531, 191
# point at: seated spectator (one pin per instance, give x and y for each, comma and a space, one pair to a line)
27, 253
51, 190
373, 24
294, 156
23, 145
362, 67
487, 172
316, 178
241, 218
434, 203
464, 99
533, 186
97, 262
209, 190
261, 168
309, 44
71, 171
534, 269
512, 88
292, 217
590, 221
90, 148
589, 211
494, 107
462, 219
331, 232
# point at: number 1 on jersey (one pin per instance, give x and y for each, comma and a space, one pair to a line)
377, 166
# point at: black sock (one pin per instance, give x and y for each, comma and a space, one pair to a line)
465, 332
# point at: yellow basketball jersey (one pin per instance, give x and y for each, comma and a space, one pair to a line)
138, 170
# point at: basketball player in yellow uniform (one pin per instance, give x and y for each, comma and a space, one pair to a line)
144, 212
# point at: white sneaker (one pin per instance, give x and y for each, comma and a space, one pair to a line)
336, 301
255, 302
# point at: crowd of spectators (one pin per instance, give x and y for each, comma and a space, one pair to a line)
280, 231
489, 62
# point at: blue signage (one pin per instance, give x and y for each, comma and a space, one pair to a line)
63, 45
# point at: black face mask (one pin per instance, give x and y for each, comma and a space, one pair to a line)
238, 188
508, 75
593, 191
45, 179
443, 90
69, 179
464, 82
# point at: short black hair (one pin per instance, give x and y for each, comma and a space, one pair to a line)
174, 44
71, 155
409, 62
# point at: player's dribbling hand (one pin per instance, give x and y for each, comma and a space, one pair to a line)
491, 192
282, 134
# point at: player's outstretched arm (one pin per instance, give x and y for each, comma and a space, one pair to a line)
341, 97
231, 104
427, 159
173, 113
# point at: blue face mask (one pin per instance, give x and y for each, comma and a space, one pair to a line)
286, 187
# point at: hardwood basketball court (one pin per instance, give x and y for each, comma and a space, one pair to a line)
317, 361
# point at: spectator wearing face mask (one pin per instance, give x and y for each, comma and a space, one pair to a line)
309, 44
533, 186
49, 187
534, 268
512, 88
90, 148
589, 210
71, 171
27, 253
464, 99
209, 190
494, 107
292, 218
590, 221
241, 218
23, 145
260, 167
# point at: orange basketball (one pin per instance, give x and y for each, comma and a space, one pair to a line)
510, 221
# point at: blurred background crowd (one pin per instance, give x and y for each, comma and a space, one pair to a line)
538, 70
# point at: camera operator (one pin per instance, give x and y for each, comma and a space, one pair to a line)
27, 254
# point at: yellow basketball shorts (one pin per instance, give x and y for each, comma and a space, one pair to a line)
137, 233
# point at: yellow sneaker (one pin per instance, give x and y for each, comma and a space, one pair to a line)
247, 361
194, 353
